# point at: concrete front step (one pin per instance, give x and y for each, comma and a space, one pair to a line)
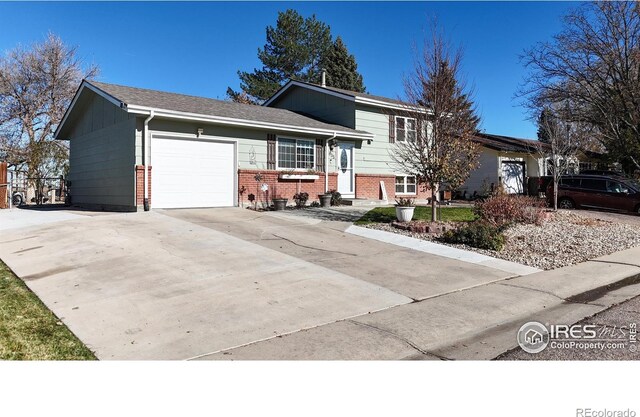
363, 202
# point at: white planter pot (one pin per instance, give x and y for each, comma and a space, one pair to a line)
404, 214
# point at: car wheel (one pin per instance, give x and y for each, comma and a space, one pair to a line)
566, 203
17, 200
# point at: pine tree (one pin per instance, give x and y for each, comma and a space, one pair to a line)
297, 49
294, 50
342, 69
543, 122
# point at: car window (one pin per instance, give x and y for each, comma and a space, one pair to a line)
593, 184
634, 184
616, 187
570, 182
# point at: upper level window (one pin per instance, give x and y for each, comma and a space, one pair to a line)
296, 153
405, 129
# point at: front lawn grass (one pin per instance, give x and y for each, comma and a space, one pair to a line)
447, 214
29, 330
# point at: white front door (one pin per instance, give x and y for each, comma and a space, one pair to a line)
346, 179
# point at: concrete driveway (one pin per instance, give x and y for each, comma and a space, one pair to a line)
181, 284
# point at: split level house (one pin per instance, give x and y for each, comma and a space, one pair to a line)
133, 148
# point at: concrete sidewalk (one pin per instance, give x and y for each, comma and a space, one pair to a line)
476, 323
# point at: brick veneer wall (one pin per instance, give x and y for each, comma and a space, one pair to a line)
281, 187
368, 186
140, 185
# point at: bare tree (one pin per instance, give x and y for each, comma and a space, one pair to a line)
442, 151
36, 86
563, 140
594, 64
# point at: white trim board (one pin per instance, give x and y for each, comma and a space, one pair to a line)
442, 250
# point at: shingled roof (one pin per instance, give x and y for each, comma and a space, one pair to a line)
130, 98
507, 143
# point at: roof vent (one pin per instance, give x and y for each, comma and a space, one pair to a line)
324, 78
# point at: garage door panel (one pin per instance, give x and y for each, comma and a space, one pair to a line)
192, 173
513, 177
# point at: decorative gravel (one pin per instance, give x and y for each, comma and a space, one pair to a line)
566, 238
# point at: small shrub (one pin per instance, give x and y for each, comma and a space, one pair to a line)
336, 198
502, 210
301, 199
315, 204
404, 202
476, 234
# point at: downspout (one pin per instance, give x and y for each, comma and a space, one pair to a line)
146, 159
326, 162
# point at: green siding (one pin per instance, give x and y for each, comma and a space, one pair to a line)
101, 160
320, 106
374, 158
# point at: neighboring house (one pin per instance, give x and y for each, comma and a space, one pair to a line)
504, 161
199, 152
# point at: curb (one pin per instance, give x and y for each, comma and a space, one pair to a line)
442, 250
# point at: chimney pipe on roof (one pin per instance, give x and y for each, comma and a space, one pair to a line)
324, 78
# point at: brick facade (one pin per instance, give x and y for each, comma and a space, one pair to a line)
368, 186
140, 184
285, 188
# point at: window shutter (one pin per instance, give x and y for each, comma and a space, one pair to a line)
392, 128
419, 131
319, 156
271, 151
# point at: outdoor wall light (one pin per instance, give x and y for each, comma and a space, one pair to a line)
200, 131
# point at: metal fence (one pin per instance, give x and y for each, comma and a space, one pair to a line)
19, 189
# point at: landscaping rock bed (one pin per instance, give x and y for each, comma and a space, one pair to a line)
566, 238
424, 227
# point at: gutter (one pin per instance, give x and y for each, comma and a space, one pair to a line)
145, 162
326, 162
245, 123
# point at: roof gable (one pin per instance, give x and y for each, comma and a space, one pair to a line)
361, 98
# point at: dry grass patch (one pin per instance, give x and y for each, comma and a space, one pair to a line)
29, 330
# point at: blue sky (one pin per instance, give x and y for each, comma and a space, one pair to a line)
197, 48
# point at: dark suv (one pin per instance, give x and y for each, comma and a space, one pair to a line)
597, 191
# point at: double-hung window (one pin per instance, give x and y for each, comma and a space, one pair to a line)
405, 129
406, 184
296, 153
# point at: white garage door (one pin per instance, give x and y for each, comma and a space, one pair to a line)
192, 173
513, 177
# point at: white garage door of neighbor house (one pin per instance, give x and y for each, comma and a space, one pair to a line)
513, 177
192, 173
